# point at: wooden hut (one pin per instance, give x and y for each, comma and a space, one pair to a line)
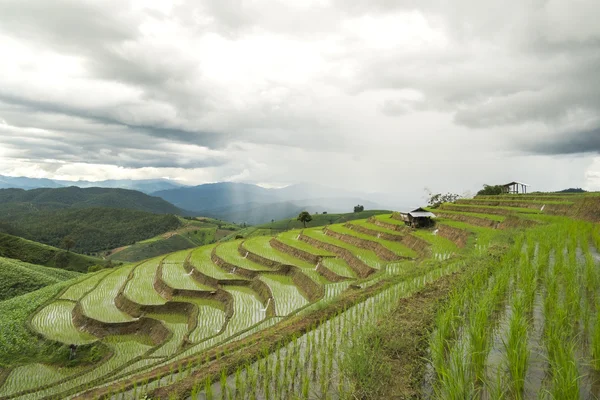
515, 188
418, 218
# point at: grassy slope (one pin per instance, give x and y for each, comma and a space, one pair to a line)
192, 233
40, 254
18, 277
18, 344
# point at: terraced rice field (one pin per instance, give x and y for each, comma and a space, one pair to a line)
201, 261
55, 322
229, 252
527, 323
140, 289
286, 295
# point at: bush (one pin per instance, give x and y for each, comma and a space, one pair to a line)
490, 190
95, 268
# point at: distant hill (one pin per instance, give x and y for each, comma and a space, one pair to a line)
239, 202
18, 277
20, 201
41, 254
144, 185
92, 229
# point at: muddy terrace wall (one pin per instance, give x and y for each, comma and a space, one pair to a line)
309, 288
460, 237
298, 253
381, 251
387, 225
421, 246
246, 273
360, 268
472, 220
374, 233
477, 210
312, 258
152, 328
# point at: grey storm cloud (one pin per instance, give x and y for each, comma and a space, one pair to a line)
568, 143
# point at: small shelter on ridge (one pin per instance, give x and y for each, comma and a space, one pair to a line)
513, 188
418, 218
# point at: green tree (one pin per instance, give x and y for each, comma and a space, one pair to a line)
359, 208
304, 217
438, 199
490, 190
68, 243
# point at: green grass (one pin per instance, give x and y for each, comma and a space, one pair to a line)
286, 295
18, 277
439, 244
484, 235
17, 343
55, 322
492, 217
511, 209
201, 260
531, 200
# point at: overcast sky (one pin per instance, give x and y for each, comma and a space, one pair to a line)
377, 95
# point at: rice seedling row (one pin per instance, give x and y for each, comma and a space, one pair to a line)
201, 260
55, 322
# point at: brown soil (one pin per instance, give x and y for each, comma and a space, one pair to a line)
381, 251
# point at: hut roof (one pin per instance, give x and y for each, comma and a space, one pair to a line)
420, 213
515, 183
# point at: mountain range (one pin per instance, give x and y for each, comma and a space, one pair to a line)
143, 185
252, 204
234, 202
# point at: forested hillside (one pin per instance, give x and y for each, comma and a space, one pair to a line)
91, 229
15, 202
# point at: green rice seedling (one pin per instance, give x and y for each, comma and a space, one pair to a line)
565, 376
223, 383
208, 389
516, 348
455, 381
595, 343
479, 338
